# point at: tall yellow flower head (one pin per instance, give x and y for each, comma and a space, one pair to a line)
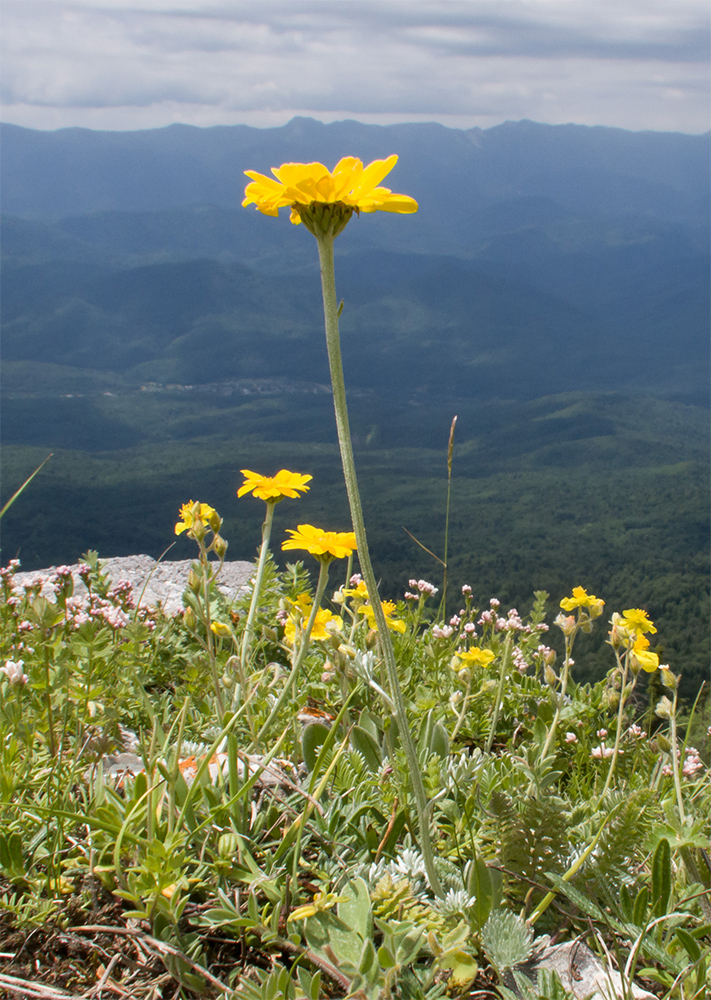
324, 545
197, 515
313, 192
637, 621
273, 488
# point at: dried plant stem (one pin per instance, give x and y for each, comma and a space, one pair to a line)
330, 308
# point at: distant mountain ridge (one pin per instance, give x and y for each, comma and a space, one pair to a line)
78, 171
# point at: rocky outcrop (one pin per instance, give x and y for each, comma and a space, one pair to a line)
153, 582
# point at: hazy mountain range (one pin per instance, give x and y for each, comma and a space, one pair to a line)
538, 254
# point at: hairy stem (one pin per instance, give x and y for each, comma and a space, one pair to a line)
330, 308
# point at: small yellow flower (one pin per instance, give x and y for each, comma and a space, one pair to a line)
636, 621
303, 185
389, 608
474, 657
325, 623
220, 629
273, 488
359, 593
321, 901
581, 599
324, 545
642, 657
194, 515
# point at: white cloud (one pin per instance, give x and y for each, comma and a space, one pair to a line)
112, 64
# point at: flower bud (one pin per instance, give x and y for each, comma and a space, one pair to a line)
227, 680
190, 619
219, 546
371, 639
214, 521
611, 698
669, 680
663, 743
194, 582
566, 623
221, 630
227, 845
550, 676
664, 708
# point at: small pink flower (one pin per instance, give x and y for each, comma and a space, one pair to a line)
467, 590
571, 738
442, 632
14, 673
602, 751
470, 628
455, 621
601, 734
494, 602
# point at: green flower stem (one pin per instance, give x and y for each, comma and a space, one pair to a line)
505, 660
254, 603
300, 657
618, 734
561, 697
333, 343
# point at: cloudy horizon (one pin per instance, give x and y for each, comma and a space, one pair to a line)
118, 65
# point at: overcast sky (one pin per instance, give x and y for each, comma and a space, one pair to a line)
117, 64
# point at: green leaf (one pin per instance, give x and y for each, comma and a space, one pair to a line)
661, 878
368, 747
356, 911
439, 741
577, 898
639, 916
312, 739
688, 943
481, 887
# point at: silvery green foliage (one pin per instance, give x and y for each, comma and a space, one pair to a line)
455, 902
506, 939
462, 769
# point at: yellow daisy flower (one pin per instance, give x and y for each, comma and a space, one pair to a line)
324, 545
273, 488
349, 184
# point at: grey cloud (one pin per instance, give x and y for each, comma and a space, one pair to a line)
637, 63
